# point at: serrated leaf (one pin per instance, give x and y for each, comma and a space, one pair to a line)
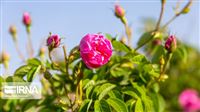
117, 104
101, 106
23, 70
104, 89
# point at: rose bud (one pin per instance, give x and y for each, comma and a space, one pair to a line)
189, 100
95, 50
170, 44
13, 32
119, 11
53, 41
157, 41
26, 19
5, 58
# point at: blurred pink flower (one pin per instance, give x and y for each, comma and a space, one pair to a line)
95, 50
26, 19
119, 11
189, 100
53, 41
170, 44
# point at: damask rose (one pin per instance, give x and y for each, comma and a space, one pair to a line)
53, 41
95, 50
170, 44
189, 100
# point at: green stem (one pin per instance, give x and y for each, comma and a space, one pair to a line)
19, 52
30, 45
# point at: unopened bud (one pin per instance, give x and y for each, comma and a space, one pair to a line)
13, 32
157, 42
164, 77
162, 60
42, 52
119, 11
170, 44
5, 58
27, 19
53, 41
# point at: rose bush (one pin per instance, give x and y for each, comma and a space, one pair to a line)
104, 73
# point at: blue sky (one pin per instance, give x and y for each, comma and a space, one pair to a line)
73, 19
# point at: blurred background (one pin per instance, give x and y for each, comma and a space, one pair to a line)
73, 19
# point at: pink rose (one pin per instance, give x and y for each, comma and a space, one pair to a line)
189, 100
53, 41
26, 19
95, 50
170, 44
119, 11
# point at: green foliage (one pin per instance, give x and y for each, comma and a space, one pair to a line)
129, 82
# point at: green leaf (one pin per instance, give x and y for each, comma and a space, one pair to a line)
104, 89
108, 36
84, 106
32, 73
101, 106
158, 102
130, 103
14, 79
115, 94
117, 104
138, 59
23, 70
157, 53
139, 106
89, 104
131, 93
89, 92
34, 62
119, 46
145, 38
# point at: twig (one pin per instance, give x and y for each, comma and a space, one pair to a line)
160, 17
178, 14
19, 52
30, 45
